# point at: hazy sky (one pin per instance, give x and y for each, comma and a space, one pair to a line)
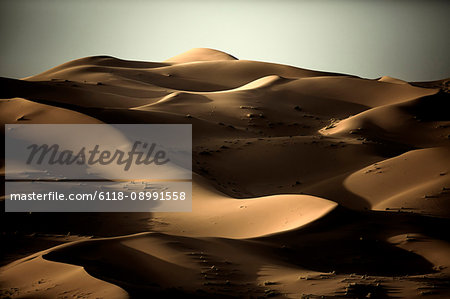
400, 38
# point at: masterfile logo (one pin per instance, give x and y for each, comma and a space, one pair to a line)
98, 151
53, 155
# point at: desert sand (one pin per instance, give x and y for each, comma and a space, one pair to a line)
306, 183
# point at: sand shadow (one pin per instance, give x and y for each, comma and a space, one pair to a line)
349, 242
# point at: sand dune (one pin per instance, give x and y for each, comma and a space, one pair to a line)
178, 98
40, 278
403, 124
21, 110
416, 180
216, 215
305, 183
201, 54
392, 80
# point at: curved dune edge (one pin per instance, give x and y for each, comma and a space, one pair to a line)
217, 215
420, 122
151, 262
392, 80
192, 97
36, 277
262, 82
383, 118
19, 109
415, 181
249, 218
200, 54
434, 250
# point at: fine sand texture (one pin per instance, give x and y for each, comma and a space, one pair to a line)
306, 184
